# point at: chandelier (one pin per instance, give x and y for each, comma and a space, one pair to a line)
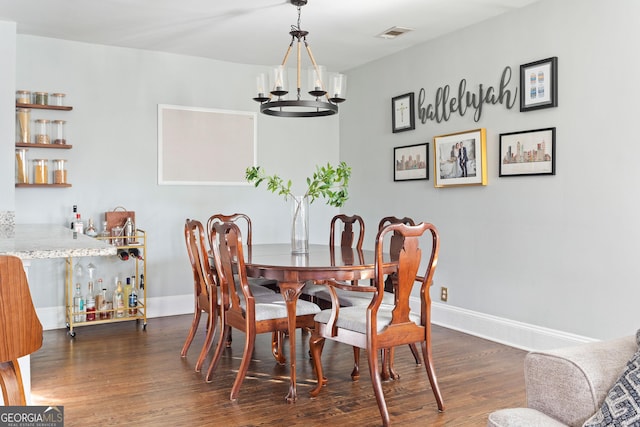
325, 103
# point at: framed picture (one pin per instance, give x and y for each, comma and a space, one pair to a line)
529, 152
403, 115
411, 162
539, 84
461, 158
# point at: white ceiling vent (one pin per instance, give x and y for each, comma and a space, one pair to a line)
394, 32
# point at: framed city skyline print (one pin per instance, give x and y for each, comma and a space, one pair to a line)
411, 162
460, 158
403, 116
530, 152
539, 84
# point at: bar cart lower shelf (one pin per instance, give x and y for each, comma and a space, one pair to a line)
137, 245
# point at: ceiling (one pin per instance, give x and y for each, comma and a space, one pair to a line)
342, 33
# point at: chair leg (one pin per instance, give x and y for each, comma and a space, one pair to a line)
11, 384
211, 330
249, 344
192, 331
277, 345
392, 372
224, 332
385, 375
316, 344
416, 354
355, 374
431, 373
377, 386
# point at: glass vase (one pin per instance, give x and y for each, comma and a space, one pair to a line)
299, 225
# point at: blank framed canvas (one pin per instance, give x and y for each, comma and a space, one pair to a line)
201, 146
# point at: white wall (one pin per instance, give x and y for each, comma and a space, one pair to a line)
552, 251
113, 129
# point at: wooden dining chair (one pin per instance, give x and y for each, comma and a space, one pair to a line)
270, 285
20, 328
259, 285
204, 289
342, 225
381, 326
249, 313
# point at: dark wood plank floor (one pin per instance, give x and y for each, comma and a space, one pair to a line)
118, 374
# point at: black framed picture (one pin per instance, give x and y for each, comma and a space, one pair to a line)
411, 162
539, 84
529, 152
403, 115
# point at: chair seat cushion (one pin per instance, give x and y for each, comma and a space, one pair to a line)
276, 308
355, 319
351, 299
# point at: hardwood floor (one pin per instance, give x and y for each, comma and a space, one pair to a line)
118, 374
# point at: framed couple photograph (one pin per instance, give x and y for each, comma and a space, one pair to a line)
539, 84
411, 162
529, 152
403, 116
461, 158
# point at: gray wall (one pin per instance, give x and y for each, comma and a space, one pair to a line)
553, 251
7, 113
113, 129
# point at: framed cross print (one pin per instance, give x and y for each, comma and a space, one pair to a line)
402, 113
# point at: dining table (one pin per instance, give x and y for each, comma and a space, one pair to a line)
292, 271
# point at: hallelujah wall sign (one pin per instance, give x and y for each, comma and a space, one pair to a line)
444, 104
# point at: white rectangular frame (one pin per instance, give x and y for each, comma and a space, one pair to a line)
204, 146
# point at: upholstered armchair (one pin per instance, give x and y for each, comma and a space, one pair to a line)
566, 387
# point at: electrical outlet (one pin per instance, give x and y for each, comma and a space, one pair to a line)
444, 294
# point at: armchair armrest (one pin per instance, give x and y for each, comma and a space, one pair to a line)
570, 384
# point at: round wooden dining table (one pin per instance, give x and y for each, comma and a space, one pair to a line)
322, 262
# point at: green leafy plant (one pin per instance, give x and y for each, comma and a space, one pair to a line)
327, 182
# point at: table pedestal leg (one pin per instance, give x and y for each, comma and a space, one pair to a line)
290, 292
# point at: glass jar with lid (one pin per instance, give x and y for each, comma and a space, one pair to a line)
41, 98
40, 171
59, 171
23, 97
58, 132
23, 125
42, 131
22, 167
57, 99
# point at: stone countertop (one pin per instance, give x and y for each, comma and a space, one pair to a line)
40, 241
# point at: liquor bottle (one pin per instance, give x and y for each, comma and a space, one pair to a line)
118, 300
141, 284
78, 225
78, 305
91, 304
91, 229
133, 302
73, 217
135, 252
127, 291
105, 231
123, 254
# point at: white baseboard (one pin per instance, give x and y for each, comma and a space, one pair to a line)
509, 332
